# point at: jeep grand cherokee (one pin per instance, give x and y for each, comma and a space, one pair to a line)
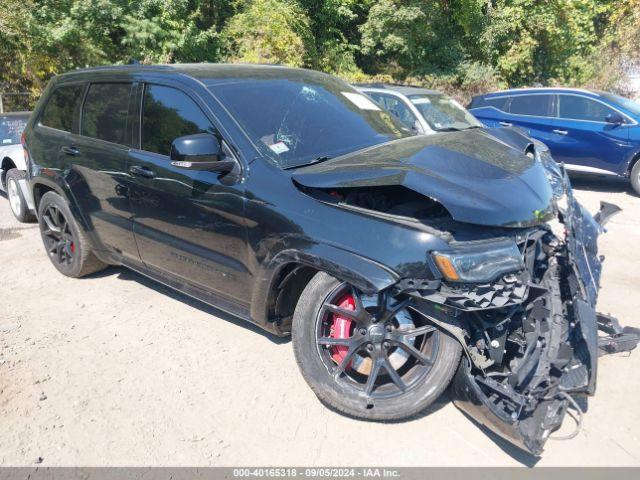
399, 264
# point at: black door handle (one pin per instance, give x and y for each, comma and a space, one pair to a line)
70, 150
141, 171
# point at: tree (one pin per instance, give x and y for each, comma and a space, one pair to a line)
270, 31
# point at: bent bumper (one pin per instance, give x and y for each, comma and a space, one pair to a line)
560, 370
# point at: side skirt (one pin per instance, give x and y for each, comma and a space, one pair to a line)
209, 298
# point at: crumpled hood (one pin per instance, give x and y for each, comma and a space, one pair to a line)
477, 177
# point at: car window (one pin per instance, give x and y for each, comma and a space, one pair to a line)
538, 105
168, 113
499, 103
396, 106
105, 110
306, 118
626, 103
61, 107
11, 128
573, 107
442, 112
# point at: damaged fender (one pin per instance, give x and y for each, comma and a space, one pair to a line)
549, 346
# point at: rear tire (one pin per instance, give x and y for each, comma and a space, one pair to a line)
387, 400
64, 241
17, 201
635, 177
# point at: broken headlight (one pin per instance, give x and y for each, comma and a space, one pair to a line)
479, 261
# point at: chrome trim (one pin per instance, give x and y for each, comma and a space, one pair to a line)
585, 169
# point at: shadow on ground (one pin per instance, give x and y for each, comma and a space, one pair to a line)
126, 274
601, 184
514, 452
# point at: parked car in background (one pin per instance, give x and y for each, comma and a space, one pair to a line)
421, 110
12, 163
592, 132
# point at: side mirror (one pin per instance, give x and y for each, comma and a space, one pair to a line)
614, 118
201, 151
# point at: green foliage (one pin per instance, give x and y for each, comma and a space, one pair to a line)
411, 36
619, 50
270, 31
462, 46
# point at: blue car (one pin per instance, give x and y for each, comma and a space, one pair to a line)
592, 132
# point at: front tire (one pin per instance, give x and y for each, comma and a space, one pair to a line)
635, 177
367, 359
17, 202
64, 241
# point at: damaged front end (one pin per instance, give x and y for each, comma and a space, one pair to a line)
530, 338
517, 282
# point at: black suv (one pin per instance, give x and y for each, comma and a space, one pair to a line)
288, 198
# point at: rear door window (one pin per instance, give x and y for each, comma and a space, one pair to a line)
536, 105
168, 113
62, 107
105, 112
573, 107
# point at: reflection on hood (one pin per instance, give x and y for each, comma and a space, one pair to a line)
478, 178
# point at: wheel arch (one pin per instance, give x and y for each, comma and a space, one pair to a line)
40, 186
7, 164
284, 277
632, 163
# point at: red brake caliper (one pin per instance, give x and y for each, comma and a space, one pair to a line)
341, 328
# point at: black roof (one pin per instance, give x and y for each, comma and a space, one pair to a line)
205, 72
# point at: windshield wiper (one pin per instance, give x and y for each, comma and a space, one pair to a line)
312, 162
456, 129
448, 129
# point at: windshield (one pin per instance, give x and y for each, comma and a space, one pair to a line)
443, 113
306, 120
629, 105
11, 128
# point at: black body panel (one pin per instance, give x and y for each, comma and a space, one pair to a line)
373, 218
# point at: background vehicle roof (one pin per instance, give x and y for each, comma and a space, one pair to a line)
15, 114
524, 91
404, 89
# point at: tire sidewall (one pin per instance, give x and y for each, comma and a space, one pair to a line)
52, 198
13, 176
635, 177
349, 400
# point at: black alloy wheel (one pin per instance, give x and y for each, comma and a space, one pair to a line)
379, 350
370, 356
58, 239
66, 245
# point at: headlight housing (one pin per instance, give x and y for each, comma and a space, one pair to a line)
476, 262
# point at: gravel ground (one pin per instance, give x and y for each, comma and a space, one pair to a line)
117, 370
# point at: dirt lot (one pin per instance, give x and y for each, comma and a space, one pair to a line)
117, 370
